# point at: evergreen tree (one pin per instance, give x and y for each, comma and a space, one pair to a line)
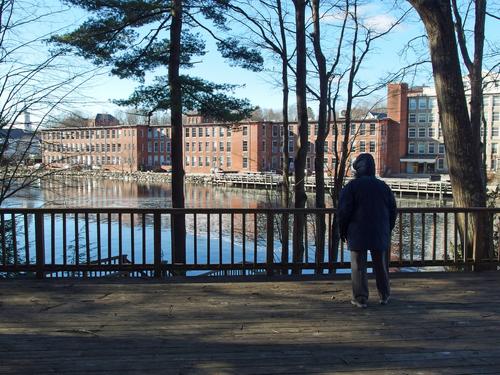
136, 37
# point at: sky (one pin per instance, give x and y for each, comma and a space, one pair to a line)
97, 93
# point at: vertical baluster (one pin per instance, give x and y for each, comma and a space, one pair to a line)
109, 237
87, 237
99, 245
455, 235
2, 230
232, 238
52, 239
77, 240
14, 237
65, 240
243, 223
330, 244
306, 243
422, 250
400, 237
434, 235
157, 244
195, 240
132, 239
270, 244
412, 223
255, 238
40, 246
26, 238
220, 238
120, 239
208, 238
143, 238
466, 239
445, 237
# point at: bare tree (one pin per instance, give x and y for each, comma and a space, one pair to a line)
461, 131
31, 92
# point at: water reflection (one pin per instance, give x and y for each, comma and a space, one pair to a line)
131, 194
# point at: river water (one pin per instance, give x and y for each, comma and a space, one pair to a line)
212, 236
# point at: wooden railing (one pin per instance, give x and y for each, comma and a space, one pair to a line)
96, 242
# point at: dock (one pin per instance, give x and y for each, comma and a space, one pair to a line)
420, 188
446, 323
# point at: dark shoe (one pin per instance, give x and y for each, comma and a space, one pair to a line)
384, 301
361, 305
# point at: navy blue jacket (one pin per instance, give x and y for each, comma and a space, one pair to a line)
367, 209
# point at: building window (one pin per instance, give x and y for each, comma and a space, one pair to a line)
441, 148
228, 161
431, 132
291, 146
413, 103
496, 101
422, 117
372, 129
353, 129
412, 117
412, 132
275, 146
496, 116
245, 130
186, 132
214, 146
431, 117
432, 148
493, 164
422, 103
200, 146
200, 132
187, 146
326, 146
421, 132
372, 146
207, 161
432, 103
245, 162
228, 146
440, 163
245, 146
411, 148
362, 129
362, 146
221, 131
494, 148
421, 148
207, 132
494, 131
264, 145
228, 132
221, 146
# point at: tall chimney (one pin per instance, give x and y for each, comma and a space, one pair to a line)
27, 121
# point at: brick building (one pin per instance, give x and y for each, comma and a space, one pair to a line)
247, 146
416, 109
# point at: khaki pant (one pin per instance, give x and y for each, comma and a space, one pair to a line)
360, 279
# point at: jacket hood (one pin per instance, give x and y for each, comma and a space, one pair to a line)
364, 165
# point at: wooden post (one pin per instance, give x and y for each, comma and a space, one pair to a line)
270, 244
40, 246
157, 244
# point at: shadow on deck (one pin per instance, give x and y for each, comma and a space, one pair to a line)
435, 323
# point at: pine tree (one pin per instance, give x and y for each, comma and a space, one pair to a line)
137, 37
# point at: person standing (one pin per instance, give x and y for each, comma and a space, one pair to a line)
366, 216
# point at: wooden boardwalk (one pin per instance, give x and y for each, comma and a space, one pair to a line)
435, 324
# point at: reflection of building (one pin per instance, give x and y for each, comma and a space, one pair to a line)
417, 109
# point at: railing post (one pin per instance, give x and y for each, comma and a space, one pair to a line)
157, 244
270, 244
39, 246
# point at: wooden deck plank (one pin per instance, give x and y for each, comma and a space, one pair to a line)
436, 324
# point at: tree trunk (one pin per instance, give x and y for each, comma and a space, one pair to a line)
320, 139
461, 140
300, 158
178, 220
285, 188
